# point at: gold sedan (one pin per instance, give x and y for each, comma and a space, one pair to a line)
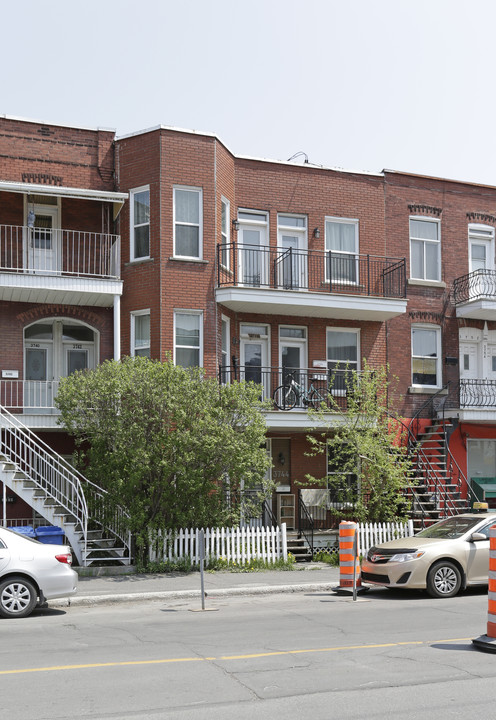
442, 559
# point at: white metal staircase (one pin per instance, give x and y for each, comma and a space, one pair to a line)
60, 494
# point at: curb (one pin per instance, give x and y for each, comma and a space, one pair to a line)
89, 600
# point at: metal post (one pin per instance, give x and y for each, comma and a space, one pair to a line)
201, 539
355, 553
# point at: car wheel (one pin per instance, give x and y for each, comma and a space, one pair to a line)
444, 580
17, 597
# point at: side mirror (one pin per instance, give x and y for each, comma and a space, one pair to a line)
475, 537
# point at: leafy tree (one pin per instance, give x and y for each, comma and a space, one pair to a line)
369, 465
162, 440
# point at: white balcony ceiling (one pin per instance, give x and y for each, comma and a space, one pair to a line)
32, 288
481, 309
310, 304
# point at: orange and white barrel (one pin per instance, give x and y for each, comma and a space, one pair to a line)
491, 609
488, 642
348, 555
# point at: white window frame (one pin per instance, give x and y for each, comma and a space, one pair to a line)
199, 225
132, 193
344, 221
225, 233
477, 232
225, 322
355, 331
134, 315
437, 329
199, 314
424, 241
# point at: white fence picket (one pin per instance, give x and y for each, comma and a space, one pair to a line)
370, 534
239, 545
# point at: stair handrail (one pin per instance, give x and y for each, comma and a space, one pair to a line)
46, 468
425, 470
304, 514
50, 472
460, 475
430, 401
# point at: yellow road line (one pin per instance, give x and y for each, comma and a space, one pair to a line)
56, 668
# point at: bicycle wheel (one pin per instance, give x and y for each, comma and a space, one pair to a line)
285, 397
315, 399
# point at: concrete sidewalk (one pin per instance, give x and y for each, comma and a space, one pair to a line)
135, 587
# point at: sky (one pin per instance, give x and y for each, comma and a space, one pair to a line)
357, 84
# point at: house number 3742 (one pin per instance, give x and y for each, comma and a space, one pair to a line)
77, 347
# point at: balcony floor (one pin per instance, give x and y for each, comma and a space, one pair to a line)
310, 304
60, 290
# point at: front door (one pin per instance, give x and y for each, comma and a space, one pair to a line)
292, 265
293, 355
39, 375
253, 253
42, 251
254, 355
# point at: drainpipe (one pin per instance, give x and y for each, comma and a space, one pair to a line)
117, 327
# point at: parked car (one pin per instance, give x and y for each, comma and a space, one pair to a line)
31, 573
442, 559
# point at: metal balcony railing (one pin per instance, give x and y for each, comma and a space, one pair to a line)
310, 270
28, 395
477, 393
477, 285
46, 251
296, 389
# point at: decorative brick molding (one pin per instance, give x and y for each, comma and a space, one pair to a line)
481, 217
425, 209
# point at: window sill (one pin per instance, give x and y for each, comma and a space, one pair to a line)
426, 283
188, 260
419, 390
139, 261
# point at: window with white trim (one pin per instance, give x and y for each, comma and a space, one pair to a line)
139, 199
425, 249
225, 334
343, 354
341, 244
225, 232
426, 356
188, 338
343, 483
188, 222
140, 333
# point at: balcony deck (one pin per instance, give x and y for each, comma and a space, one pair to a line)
59, 266
310, 283
474, 295
473, 400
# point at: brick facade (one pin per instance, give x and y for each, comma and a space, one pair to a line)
163, 159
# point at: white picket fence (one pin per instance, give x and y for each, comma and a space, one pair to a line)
233, 544
370, 534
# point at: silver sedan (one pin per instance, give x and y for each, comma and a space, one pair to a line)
444, 558
32, 573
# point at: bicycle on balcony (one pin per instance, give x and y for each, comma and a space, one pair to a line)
292, 393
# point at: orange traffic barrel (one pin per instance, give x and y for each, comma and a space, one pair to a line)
349, 561
488, 641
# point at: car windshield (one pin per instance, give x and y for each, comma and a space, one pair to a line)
453, 527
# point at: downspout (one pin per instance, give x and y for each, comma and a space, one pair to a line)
117, 327
216, 366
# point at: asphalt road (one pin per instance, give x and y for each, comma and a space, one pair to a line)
307, 655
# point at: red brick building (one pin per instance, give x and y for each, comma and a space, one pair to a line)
164, 243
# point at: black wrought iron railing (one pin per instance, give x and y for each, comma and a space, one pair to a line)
305, 523
310, 270
476, 285
300, 388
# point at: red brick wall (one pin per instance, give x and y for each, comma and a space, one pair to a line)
451, 202
77, 157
